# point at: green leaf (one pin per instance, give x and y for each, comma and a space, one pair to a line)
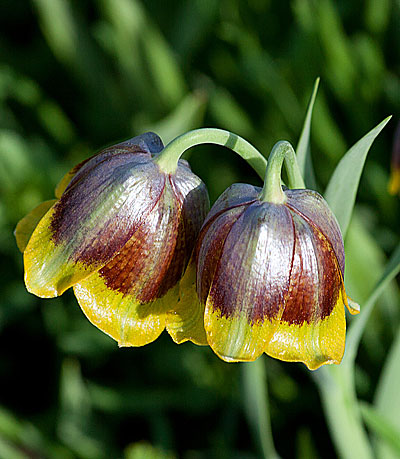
343, 185
303, 151
341, 409
387, 396
382, 427
357, 328
336, 383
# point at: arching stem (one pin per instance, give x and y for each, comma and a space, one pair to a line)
272, 190
167, 160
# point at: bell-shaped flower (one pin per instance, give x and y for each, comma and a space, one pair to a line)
270, 278
120, 233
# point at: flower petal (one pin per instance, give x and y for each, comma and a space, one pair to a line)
140, 284
311, 328
186, 321
148, 143
121, 316
311, 206
237, 194
91, 222
49, 269
27, 225
250, 282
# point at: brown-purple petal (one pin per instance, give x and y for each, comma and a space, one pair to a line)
155, 257
237, 194
253, 271
312, 207
99, 214
314, 279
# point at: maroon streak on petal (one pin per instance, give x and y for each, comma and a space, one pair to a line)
99, 214
236, 194
315, 281
311, 206
209, 246
145, 145
252, 275
192, 193
154, 258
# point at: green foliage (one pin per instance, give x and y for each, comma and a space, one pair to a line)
76, 76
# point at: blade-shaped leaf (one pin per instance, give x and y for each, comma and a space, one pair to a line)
387, 396
336, 383
303, 151
342, 187
357, 327
383, 428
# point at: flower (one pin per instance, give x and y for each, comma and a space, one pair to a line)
270, 278
121, 233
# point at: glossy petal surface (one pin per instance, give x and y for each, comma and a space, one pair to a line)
270, 278
250, 282
122, 316
91, 222
313, 208
148, 143
129, 297
312, 325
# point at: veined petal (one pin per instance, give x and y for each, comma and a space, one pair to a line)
49, 268
313, 344
209, 247
312, 207
64, 182
311, 328
237, 194
250, 282
145, 144
185, 322
90, 223
129, 297
27, 225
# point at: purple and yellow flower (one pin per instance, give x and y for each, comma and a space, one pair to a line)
270, 278
120, 232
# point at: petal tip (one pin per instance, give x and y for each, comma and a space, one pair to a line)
352, 306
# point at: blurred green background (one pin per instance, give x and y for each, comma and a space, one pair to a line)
77, 75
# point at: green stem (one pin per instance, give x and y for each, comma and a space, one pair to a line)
257, 406
272, 190
167, 160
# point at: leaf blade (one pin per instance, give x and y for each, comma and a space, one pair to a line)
342, 187
303, 151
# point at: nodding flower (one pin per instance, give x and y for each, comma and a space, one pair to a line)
121, 233
270, 278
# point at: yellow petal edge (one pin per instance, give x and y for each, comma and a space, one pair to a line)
120, 315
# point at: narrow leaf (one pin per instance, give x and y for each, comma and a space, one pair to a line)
357, 327
342, 187
382, 427
387, 396
342, 412
303, 151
